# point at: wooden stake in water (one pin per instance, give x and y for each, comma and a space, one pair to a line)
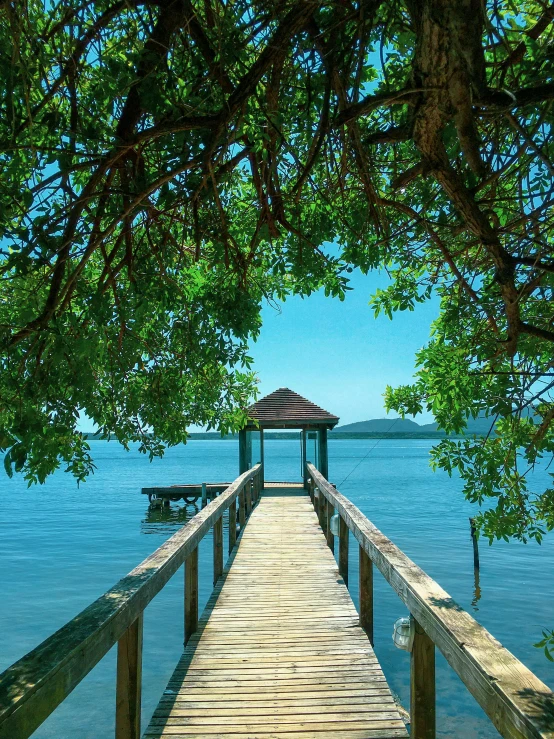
475, 543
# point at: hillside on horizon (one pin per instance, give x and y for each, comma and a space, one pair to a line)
406, 426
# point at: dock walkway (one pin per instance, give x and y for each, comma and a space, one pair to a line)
278, 651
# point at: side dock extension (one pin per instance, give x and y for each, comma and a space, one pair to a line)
279, 651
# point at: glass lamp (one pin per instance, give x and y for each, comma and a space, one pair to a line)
403, 633
334, 524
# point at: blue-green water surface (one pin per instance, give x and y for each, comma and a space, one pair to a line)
62, 546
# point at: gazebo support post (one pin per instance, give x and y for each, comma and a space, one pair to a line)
243, 459
323, 456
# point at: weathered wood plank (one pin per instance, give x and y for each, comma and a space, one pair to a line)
218, 549
366, 594
191, 594
129, 682
232, 526
422, 686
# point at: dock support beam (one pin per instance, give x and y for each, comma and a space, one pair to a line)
191, 594
343, 550
242, 510
329, 533
232, 526
323, 456
243, 460
422, 685
218, 549
366, 594
129, 682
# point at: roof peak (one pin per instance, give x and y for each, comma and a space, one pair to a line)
284, 407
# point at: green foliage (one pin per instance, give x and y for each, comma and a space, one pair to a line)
547, 643
167, 167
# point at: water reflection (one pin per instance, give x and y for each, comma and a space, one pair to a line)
476, 589
168, 518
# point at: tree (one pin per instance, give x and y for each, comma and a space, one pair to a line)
168, 164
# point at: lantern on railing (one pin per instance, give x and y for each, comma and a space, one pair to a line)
316, 492
403, 633
334, 524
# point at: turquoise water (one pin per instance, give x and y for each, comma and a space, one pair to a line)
61, 547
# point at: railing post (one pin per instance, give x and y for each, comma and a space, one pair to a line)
422, 685
311, 489
242, 510
218, 549
343, 550
366, 594
191, 594
248, 498
322, 510
232, 525
330, 537
317, 498
129, 682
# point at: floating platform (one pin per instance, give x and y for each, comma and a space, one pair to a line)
192, 493
188, 493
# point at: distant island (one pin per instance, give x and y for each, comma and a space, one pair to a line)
376, 428
403, 426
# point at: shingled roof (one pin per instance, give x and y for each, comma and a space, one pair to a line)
284, 408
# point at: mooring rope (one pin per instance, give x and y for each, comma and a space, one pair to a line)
367, 455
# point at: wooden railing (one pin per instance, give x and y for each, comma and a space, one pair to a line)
516, 701
35, 685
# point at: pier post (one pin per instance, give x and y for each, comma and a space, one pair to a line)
343, 550
232, 525
204, 495
366, 594
191, 594
422, 685
242, 510
218, 549
129, 682
322, 510
329, 533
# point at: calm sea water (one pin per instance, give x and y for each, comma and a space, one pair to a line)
62, 546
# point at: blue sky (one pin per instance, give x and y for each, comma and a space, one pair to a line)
337, 354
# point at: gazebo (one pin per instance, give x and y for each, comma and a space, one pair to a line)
285, 409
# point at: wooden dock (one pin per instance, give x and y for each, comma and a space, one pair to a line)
279, 651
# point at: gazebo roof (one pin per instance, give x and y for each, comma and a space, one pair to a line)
285, 409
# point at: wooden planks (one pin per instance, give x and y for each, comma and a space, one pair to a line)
278, 651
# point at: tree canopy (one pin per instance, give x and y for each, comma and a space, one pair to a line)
168, 164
